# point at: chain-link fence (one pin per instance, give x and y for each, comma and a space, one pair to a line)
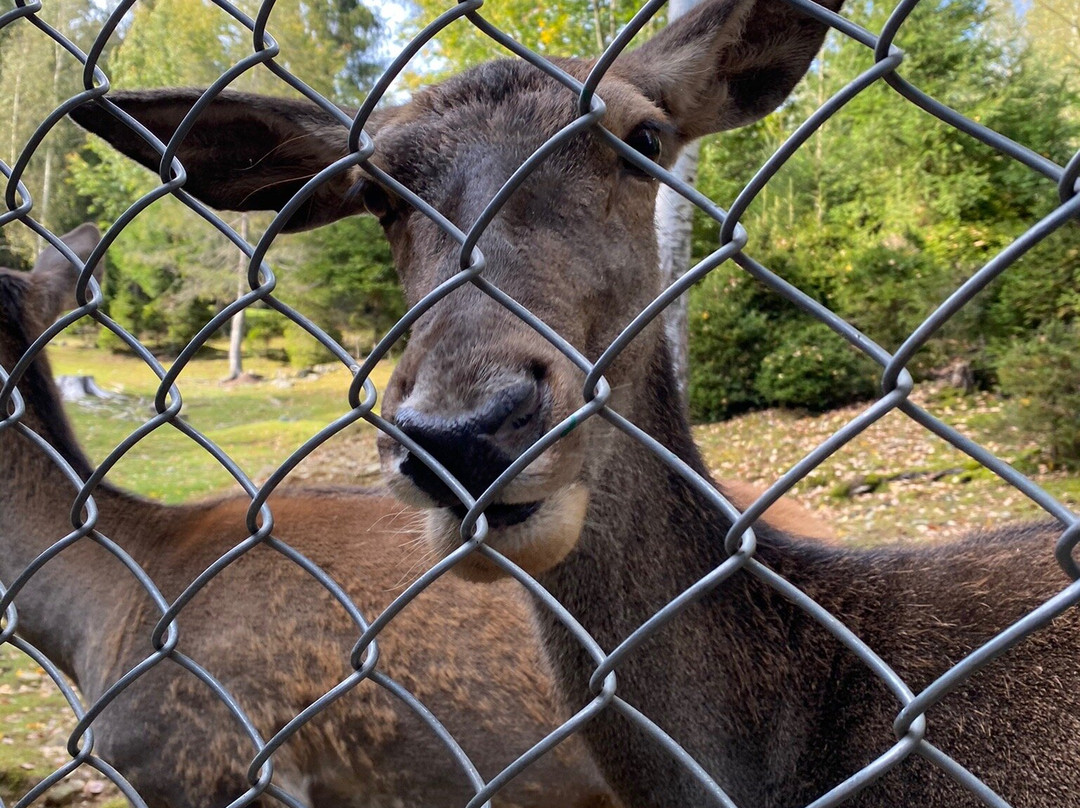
147, 690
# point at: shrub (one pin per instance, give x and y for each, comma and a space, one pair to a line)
262, 327
304, 350
183, 321
1041, 377
887, 292
814, 368
728, 337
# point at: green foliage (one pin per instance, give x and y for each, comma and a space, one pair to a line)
729, 335
303, 350
887, 291
1053, 26
169, 270
565, 28
36, 76
262, 328
1041, 375
346, 278
886, 210
815, 369
1042, 287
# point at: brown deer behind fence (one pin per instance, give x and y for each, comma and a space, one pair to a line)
717, 660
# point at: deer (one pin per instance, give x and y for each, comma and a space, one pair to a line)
775, 709
273, 637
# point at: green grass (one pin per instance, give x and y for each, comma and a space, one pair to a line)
257, 424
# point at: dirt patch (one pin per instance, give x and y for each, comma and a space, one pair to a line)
35, 723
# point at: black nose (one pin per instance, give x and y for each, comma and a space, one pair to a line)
475, 446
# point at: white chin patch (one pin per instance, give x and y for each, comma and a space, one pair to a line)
536, 544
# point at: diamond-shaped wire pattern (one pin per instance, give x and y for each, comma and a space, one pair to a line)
170, 607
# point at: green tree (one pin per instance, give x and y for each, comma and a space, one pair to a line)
37, 75
170, 269
347, 277
1041, 376
886, 210
331, 45
568, 28
1053, 26
166, 267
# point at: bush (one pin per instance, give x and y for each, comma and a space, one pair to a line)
261, 328
728, 337
165, 329
1041, 377
303, 350
813, 367
887, 292
183, 322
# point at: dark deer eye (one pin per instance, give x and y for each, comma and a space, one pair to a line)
376, 200
646, 140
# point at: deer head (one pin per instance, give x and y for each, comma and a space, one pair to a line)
49, 288
574, 244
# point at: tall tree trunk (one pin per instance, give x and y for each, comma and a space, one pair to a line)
44, 212
674, 227
598, 25
15, 96
236, 325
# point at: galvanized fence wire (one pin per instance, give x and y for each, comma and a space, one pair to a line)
912, 708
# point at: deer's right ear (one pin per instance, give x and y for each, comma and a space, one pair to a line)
726, 63
245, 152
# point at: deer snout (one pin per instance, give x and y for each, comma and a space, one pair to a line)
475, 446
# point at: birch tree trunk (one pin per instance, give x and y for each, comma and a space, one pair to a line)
674, 224
236, 325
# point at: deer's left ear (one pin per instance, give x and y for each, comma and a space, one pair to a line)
55, 276
727, 63
245, 152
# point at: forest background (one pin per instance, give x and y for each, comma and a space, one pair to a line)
880, 216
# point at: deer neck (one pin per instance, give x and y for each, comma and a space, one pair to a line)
67, 608
649, 535
672, 525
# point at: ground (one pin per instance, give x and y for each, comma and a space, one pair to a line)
896, 481
35, 723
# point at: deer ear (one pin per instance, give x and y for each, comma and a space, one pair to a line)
55, 276
245, 152
727, 63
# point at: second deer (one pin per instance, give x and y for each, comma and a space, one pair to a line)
275, 638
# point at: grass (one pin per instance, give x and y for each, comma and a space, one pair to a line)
257, 424
29, 722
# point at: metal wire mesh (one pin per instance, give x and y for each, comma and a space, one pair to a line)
169, 611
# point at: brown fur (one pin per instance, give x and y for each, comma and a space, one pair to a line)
267, 631
769, 702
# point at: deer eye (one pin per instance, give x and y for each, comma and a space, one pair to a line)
376, 200
646, 140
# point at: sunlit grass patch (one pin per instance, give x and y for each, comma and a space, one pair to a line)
257, 424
